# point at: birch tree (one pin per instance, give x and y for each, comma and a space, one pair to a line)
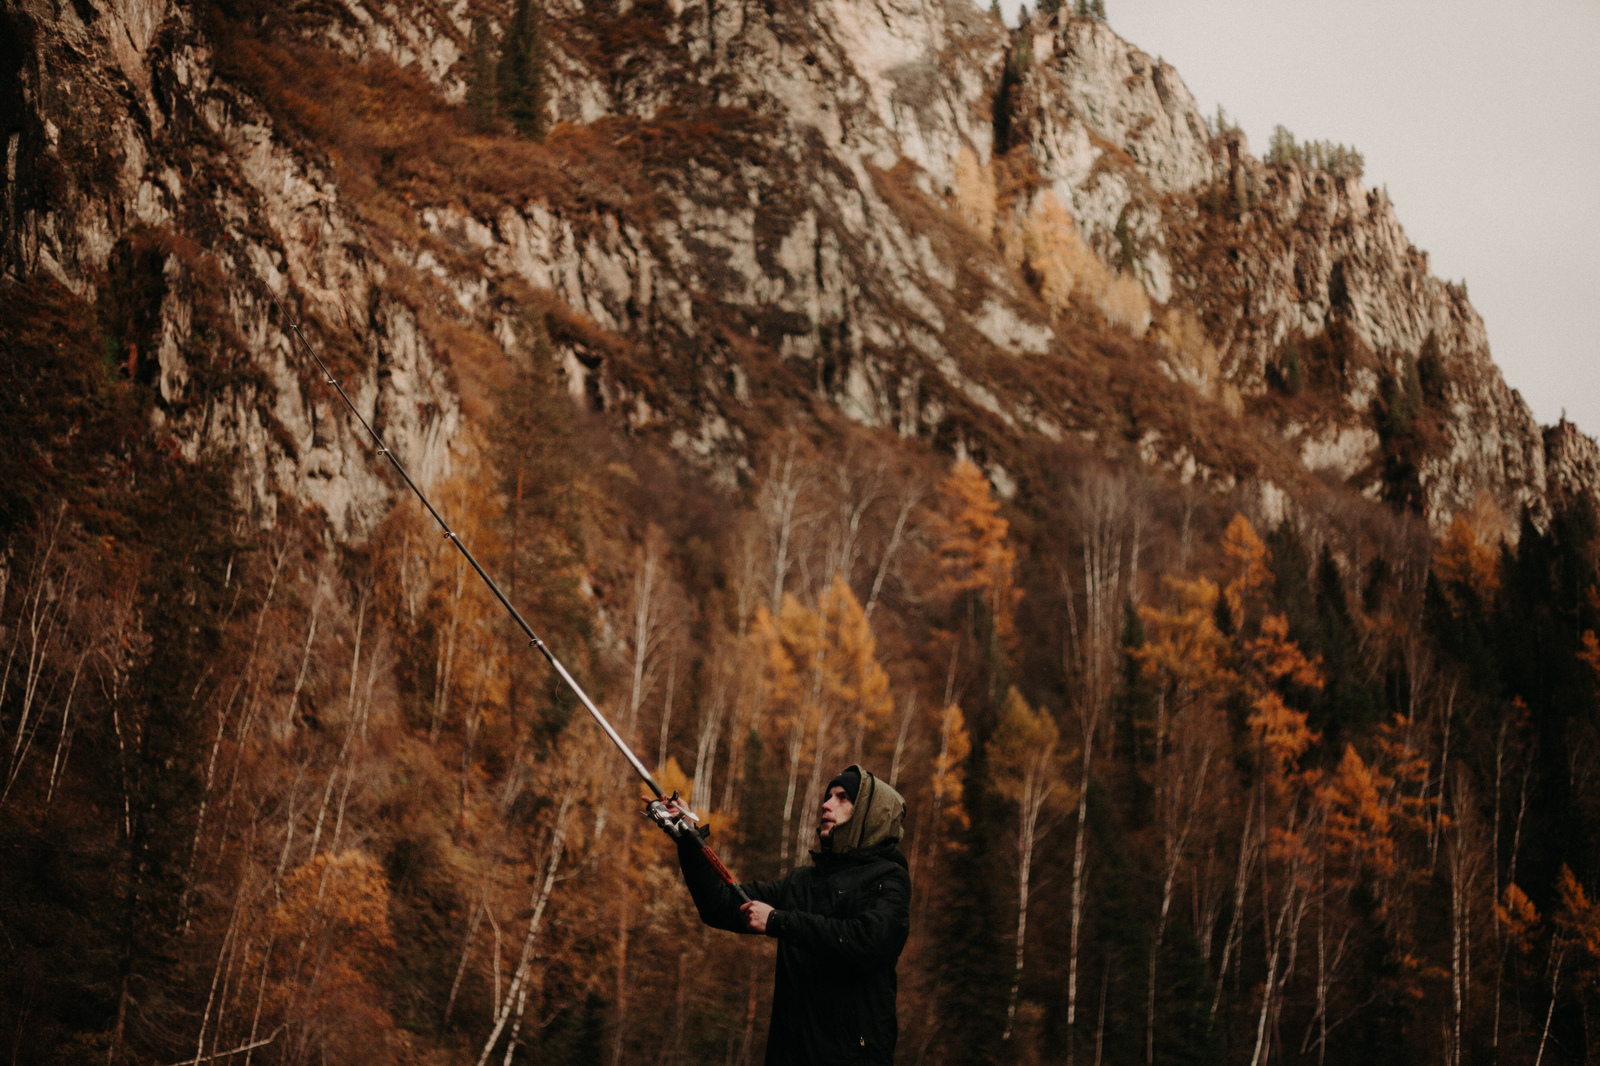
1028, 767
1092, 653
1190, 658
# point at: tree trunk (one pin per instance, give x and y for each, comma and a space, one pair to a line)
261, 991
906, 718
558, 842
305, 658
216, 976
473, 921
750, 1021
908, 503
447, 657
1100, 1024
796, 744
1033, 798
785, 494
1555, 983
1180, 809
666, 712
813, 800
1241, 886
705, 755
1079, 861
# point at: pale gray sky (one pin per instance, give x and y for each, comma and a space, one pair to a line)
1482, 118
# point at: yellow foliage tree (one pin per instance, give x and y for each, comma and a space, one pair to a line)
1186, 648
1183, 644
1025, 753
1064, 265
1406, 770
1578, 918
1589, 655
1468, 555
1518, 918
1193, 358
331, 939
1028, 767
975, 192
1358, 822
974, 553
1247, 563
470, 681
825, 658
1279, 658
949, 770
1400, 772
1273, 658
1283, 731
1284, 736
821, 673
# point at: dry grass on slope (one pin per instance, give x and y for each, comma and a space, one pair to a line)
1158, 391
1103, 375
396, 146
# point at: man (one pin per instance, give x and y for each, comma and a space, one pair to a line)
840, 923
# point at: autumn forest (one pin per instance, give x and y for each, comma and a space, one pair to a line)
1184, 785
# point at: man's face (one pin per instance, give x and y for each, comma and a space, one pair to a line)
836, 810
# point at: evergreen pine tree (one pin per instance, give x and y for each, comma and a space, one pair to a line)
521, 77
483, 105
1430, 368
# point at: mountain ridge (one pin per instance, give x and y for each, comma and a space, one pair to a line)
878, 126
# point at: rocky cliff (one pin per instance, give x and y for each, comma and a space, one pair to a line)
897, 212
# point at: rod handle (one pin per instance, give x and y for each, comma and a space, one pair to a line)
722, 872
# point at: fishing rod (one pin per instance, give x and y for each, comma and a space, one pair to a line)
669, 812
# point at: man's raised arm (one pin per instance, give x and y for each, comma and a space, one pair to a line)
715, 899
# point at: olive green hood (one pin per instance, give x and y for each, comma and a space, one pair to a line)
880, 816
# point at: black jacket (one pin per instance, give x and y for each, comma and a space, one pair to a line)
840, 926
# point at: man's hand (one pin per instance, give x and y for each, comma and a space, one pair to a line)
756, 914
673, 819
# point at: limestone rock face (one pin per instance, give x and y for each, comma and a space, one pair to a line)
1113, 131
1572, 464
127, 140
1137, 103
898, 208
1323, 254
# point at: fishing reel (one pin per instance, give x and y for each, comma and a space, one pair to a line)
680, 826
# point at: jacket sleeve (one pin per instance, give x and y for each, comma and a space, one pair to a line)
872, 937
714, 898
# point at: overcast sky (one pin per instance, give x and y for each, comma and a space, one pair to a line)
1483, 119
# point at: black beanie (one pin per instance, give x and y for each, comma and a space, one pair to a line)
849, 779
